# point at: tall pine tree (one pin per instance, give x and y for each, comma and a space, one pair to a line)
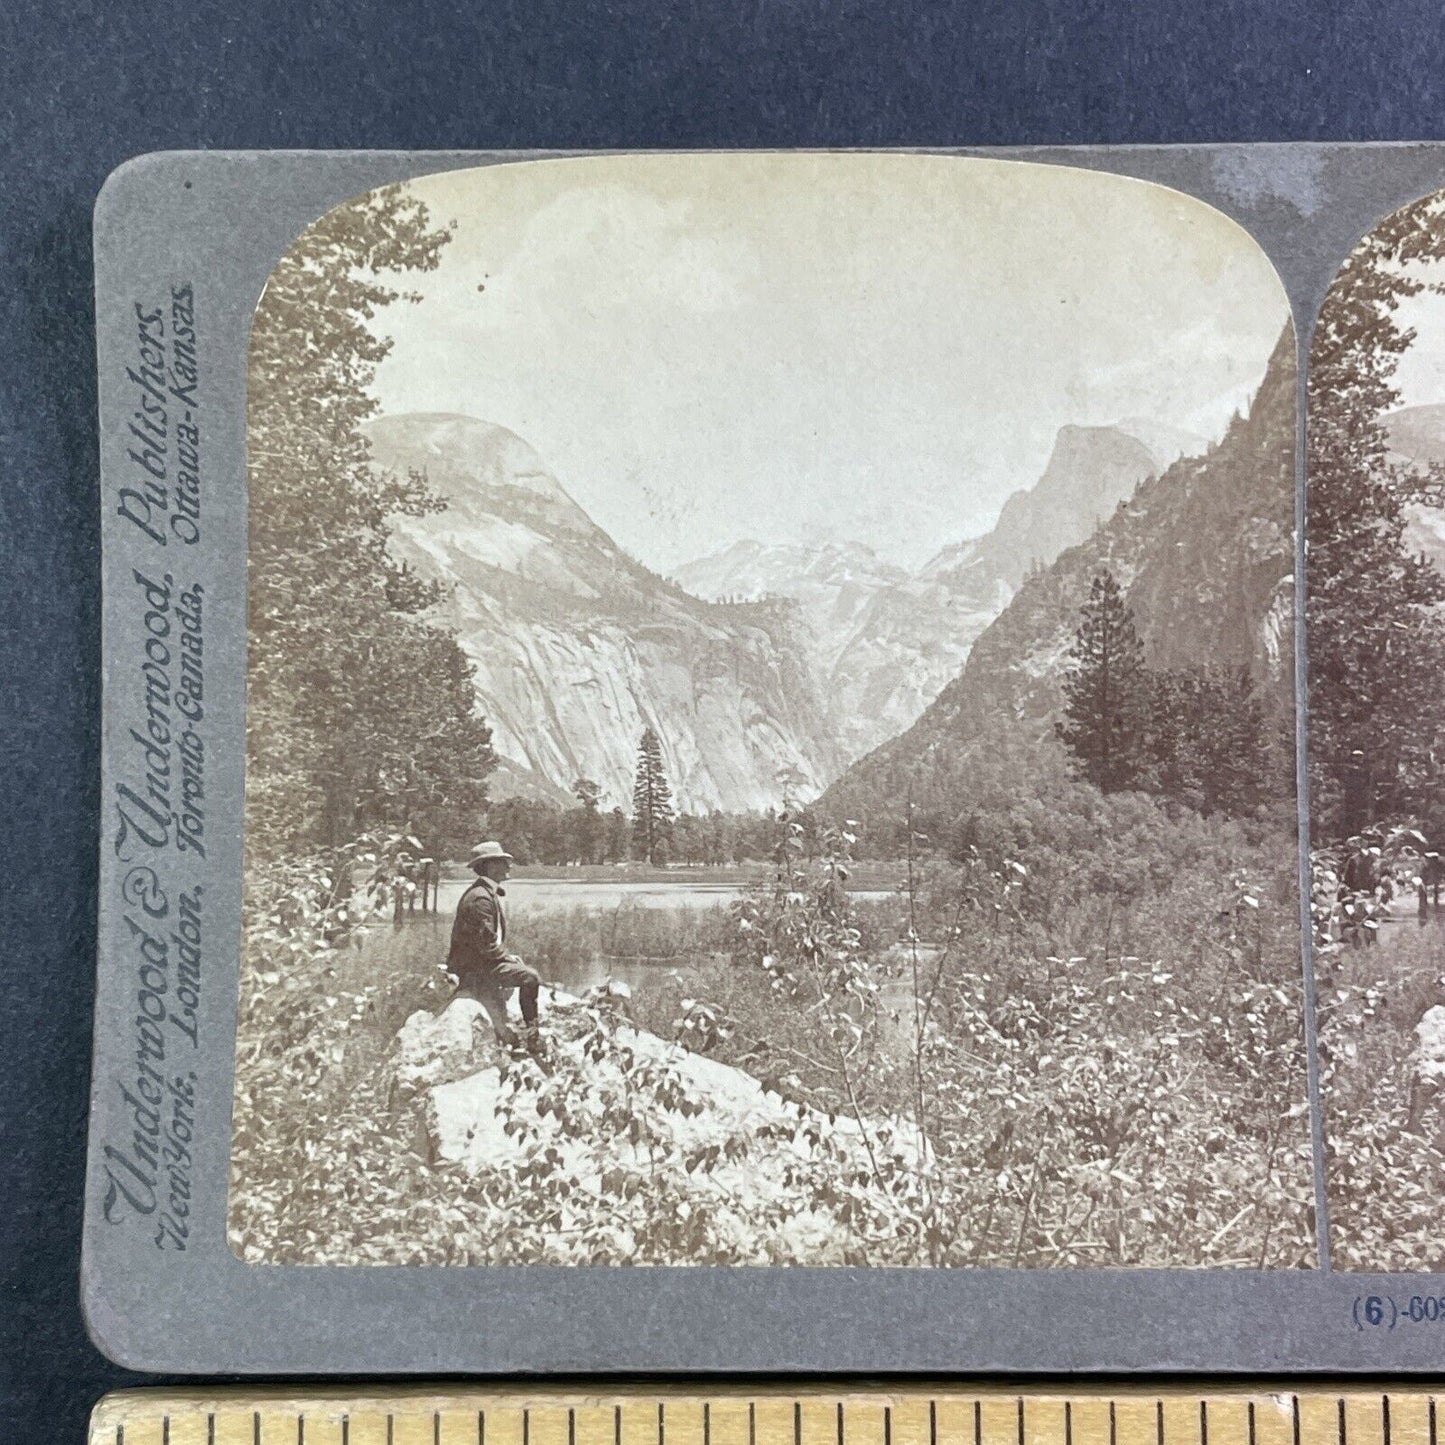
1105, 690
652, 810
1376, 659
359, 709
589, 820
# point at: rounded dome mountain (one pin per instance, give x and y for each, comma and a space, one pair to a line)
466, 461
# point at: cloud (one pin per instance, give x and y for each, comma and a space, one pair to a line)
609, 248
804, 346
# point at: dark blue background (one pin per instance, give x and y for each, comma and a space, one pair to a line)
83, 87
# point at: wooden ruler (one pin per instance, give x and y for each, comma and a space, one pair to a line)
724, 1415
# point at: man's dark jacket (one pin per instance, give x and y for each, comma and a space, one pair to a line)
479, 931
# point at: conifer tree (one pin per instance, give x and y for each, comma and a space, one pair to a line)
1377, 664
652, 810
1105, 701
1170, 756
360, 706
1208, 742
589, 820
1235, 744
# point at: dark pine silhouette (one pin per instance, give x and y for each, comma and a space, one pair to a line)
1105, 691
652, 810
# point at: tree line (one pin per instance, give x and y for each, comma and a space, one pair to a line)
543, 833
360, 708
655, 832
1201, 737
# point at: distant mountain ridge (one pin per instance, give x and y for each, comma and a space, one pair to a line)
577, 647
833, 583
1090, 471
1205, 555
886, 642
760, 661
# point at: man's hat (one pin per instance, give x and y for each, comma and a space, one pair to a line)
484, 851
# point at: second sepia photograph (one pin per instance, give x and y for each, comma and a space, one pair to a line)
1376, 644
771, 725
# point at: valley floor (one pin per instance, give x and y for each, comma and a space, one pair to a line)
1078, 1112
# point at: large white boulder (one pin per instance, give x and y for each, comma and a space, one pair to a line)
432, 1049
468, 1117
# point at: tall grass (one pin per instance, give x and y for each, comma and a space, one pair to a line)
553, 940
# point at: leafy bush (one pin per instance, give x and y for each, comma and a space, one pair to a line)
992, 1068
1384, 1127
1138, 1099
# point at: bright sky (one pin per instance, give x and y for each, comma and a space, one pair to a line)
802, 348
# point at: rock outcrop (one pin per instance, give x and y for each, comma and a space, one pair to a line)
1204, 553
742, 1151
578, 648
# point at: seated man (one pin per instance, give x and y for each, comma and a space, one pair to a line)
485, 970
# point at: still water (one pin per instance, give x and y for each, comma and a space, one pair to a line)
420, 941
531, 895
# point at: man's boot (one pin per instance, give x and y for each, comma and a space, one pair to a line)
532, 1042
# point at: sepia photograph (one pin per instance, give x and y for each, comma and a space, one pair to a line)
1376, 643
771, 725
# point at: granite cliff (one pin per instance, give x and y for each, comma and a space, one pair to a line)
578, 647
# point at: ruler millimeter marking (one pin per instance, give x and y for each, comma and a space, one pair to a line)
726, 1415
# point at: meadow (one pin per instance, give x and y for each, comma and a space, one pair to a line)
1050, 1065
